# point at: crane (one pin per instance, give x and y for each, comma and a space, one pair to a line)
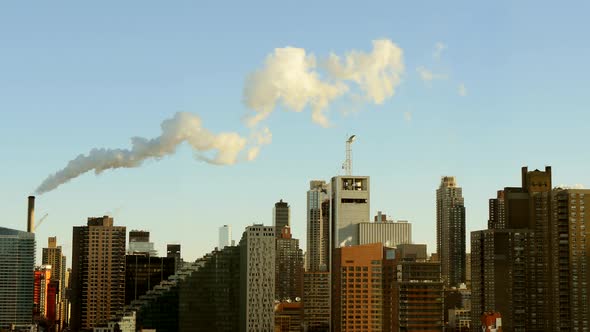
41, 220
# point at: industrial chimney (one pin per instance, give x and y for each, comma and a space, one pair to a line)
31, 215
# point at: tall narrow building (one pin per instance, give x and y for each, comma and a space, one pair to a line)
224, 236
318, 226
289, 267
53, 255
173, 250
17, 264
281, 216
350, 207
98, 273
450, 231
257, 278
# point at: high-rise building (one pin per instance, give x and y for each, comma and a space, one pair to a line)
318, 226
450, 231
388, 232
98, 273
257, 278
316, 301
532, 268
173, 250
210, 296
281, 216
412, 292
289, 267
53, 255
17, 264
497, 212
350, 207
139, 244
42, 279
357, 294
144, 272
224, 236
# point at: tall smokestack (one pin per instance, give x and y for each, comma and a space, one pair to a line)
31, 215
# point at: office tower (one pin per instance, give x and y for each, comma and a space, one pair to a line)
144, 272
318, 226
388, 232
534, 271
350, 207
257, 278
224, 236
412, 292
173, 250
450, 231
98, 272
41, 287
210, 296
289, 267
357, 276
288, 316
139, 244
316, 301
281, 216
17, 264
53, 256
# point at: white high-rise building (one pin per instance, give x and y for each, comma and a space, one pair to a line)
257, 278
225, 236
350, 207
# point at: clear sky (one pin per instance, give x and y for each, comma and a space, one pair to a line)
508, 88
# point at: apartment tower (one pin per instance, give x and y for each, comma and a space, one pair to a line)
289, 267
318, 226
98, 273
450, 231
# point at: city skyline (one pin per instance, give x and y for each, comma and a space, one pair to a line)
477, 94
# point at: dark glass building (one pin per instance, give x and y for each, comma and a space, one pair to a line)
144, 272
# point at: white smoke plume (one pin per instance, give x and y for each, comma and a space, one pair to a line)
293, 78
183, 127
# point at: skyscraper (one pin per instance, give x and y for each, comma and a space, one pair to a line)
532, 268
42, 279
318, 226
281, 216
450, 231
257, 278
289, 267
53, 255
17, 263
98, 272
350, 207
224, 236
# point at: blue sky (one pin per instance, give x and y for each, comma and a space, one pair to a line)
76, 76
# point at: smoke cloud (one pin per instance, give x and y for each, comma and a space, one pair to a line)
218, 149
291, 78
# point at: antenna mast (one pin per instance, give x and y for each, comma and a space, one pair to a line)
348, 163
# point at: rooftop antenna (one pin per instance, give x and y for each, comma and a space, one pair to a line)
348, 162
